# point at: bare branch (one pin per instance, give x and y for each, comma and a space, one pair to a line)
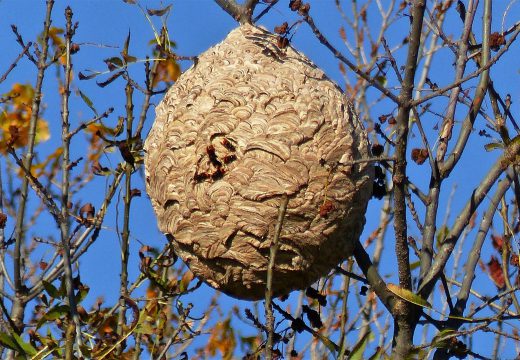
372, 276
241, 13
474, 74
322, 39
462, 59
15, 62
17, 309
478, 195
270, 269
65, 184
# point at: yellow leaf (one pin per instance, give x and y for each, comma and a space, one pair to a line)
185, 280
167, 71
409, 296
16, 116
222, 339
54, 35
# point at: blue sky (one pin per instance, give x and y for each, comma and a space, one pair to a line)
195, 25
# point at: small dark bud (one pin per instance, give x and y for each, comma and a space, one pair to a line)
298, 325
379, 174
3, 220
135, 192
377, 149
496, 40
304, 9
378, 190
282, 29
74, 48
124, 149
419, 156
284, 297
294, 5
313, 316
282, 42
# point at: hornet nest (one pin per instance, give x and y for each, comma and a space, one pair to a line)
246, 124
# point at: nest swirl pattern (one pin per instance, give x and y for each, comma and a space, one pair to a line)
246, 124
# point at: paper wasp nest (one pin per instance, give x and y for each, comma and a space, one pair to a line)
246, 124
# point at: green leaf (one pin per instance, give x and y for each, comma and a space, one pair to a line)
81, 294
144, 328
415, 265
442, 233
26, 347
129, 58
55, 313
169, 44
409, 296
87, 101
439, 341
109, 80
126, 46
92, 75
470, 320
114, 61
379, 354
381, 80
159, 12
51, 290
359, 349
126, 57
493, 146
7, 341
416, 353
15, 342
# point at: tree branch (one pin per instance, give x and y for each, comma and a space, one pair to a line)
322, 39
269, 318
372, 276
447, 166
15, 62
462, 59
404, 324
18, 305
464, 217
65, 184
241, 13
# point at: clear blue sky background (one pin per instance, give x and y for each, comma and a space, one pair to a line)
195, 25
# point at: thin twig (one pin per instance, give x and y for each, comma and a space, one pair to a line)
265, 11
473, 75
20, 41
372, 275
182, 322
81, 244
84, 125
462, 59
270, 273
17, 310
65, 185
125, 235
15, 62
322, 39
350, 274
477, 196
328, 343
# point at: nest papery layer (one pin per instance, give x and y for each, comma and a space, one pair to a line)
246, 124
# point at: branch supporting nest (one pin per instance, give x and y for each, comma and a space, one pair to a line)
241, 13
